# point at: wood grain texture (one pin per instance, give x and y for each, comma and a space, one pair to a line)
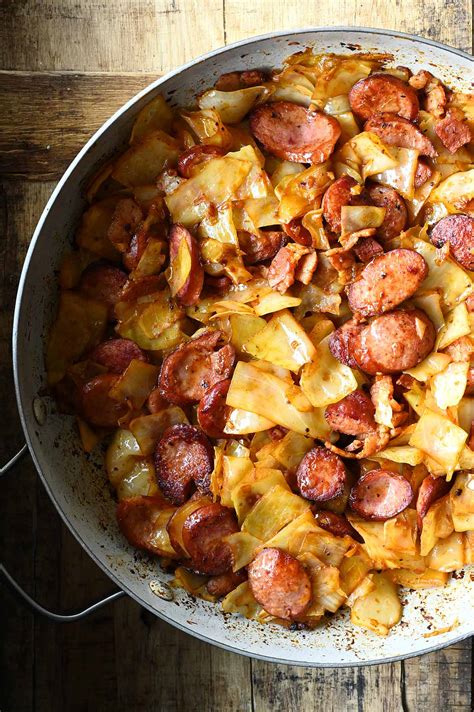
65, 66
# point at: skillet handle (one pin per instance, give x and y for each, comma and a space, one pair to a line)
26, 598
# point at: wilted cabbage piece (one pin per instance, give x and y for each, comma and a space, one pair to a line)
326, 380
145, 159
283, 342
231, 106
402, 176
155, 115
439, 438
92, 232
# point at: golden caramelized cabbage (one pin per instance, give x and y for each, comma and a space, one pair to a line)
268, 319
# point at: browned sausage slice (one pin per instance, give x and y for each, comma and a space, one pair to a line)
125, 221
279, 583
137, 519
155, 401
368, 248
261, 247
203, 534
212, 410
96, 406
337, 524
186, 281
453, 131
353, 415
380, 495
341, 342
292, 132
136, 288
321, 475
458, 230
394, 342
189, 371
103, 282
431, 489
116, 354
182, 456
396, 214
232, 81
298, 233
423, 172
386, 282
336, 196
196, 155
394, 130
220, 586
136, 248
381, 93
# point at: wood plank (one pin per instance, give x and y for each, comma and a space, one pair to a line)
162, 668
449, 22
75, 105
93, 35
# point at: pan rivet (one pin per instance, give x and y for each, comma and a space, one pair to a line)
162, 590
39, 411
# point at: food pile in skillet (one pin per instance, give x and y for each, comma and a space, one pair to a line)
268, 316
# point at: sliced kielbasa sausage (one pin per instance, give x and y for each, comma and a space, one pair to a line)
212, 410
394, 130
336, 196
116, 354
183, 455
341, 342
132, 256
280, 584
386, 282
396, 214
367, 248
453, 131
292, 132
196, 155
261, 247
431, 489
203, 534
380, 495
96, 405
135, 289
458, 230
186, 288
103, 282
232, 81
394, 342
298, 233
321, 475
223, 584
189, 371
125, 221
155, 401
424, 171
383, 93
337, 524
137, 519
353, 415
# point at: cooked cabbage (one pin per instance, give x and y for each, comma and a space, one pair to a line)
231, 106
449, 385
379, 609
326, 380
282, 342
439, 438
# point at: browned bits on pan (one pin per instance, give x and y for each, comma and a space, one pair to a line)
183, 455
458, 231
279, 583
383, 93
116, 354
138, 517
292, 132
321, 475
203, 537
353, 415
191, 369
387, 281
380, 495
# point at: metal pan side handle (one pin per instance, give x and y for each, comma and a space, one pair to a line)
26, 598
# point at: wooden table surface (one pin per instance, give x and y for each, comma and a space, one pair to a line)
65, 66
